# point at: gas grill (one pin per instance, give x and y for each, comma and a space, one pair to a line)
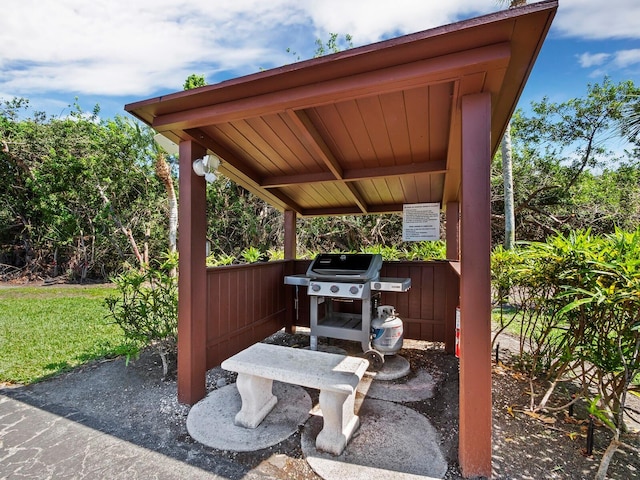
351, 278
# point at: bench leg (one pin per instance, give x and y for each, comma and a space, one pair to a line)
340, 421
257, 400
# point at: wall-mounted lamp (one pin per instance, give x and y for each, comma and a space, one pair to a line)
206, 167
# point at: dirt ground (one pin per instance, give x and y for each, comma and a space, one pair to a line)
134, 403
552, 444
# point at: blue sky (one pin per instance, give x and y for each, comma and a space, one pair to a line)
113, 52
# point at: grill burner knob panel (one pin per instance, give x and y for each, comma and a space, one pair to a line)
339, 289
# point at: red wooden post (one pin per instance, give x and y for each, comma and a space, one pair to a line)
475, 288
290, 235
453, 230
192, 281
290, 247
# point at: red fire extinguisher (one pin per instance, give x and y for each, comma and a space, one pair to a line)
457, 350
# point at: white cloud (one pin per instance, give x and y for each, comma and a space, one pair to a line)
607, 63
595, 19
118, 47
587, 59
627, 58
371, 20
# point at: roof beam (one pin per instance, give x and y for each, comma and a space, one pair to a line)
320, 212
437, 69
436, 166
355, 174
286, 180
324, 211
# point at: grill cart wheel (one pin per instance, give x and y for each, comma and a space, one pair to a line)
376, 359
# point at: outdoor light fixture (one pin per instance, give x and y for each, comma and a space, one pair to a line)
206, 167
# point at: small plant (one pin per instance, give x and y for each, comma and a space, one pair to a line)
275, 254
426, 251
223, 259
388, 252
147, 309
251, 255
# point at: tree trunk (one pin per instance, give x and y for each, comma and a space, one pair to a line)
601, 474
127, 231
507, 175
164, 173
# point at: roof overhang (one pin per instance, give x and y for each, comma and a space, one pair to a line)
366, 130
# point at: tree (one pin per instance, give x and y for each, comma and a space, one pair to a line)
194, 81
564, 173
79, 195
631, 119
333, 44
507, 170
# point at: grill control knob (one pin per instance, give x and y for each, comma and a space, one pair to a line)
353, 289
334, 289
376, 286
315, 287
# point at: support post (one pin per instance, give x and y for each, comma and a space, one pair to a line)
475, 288
453, 231
192, 281
290, 247
290, 240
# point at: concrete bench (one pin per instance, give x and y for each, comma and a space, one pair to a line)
336, 376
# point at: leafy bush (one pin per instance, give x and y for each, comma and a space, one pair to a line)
251, 254
426, 251
218, 260
147, 308
578, 298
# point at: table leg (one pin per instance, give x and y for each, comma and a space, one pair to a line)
340, 421
257, 400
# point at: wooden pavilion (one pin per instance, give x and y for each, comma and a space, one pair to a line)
414, 119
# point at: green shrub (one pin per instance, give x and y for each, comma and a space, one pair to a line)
251, 255
426, 251
218, 260
147, 308
578, 297
275, 254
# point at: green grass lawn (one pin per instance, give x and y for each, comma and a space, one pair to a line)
47, 330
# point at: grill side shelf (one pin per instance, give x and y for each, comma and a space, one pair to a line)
300, 280
390, 284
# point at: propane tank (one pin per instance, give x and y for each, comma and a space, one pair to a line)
387, 330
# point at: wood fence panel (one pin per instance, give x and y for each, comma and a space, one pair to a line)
245, 304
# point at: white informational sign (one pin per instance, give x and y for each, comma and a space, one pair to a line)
421, 221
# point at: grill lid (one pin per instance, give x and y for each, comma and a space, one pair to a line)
346, 266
